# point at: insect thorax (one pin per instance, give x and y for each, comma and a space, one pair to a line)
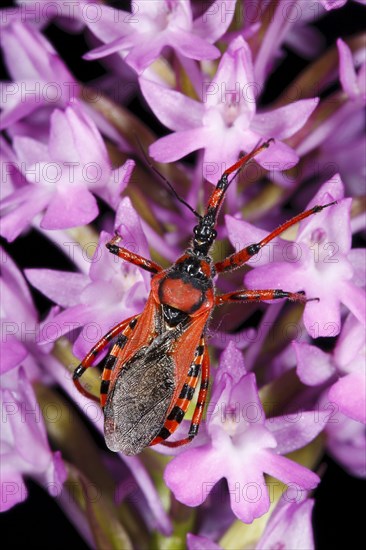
185, 287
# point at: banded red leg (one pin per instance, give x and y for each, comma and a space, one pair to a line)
247, 296
239, 258
260, 296
89, 359
200, 405
131, 257
180, 408
224, 182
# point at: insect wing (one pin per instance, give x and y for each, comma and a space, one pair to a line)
137, 404
147, 384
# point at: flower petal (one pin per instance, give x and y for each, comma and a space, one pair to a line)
347, 72
70, 320
294, 431
346, 441
287, 471
289, 526
59, 286
75, 138
314, 366
357, 257
175, 110
354, 298
19, 218
15, 106
191, 46
209, 468
195, 542
70, 207
349, 393
12, 488
144, 53
212, 24
285, 121
30, 151
12, 352
278, 156
179, 144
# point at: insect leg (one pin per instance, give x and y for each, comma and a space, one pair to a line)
89, 359
112, 360
200, 405
239, 258
180, 408
260, 296
131, 257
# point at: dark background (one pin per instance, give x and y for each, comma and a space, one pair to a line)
38, 522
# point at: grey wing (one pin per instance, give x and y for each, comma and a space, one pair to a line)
137, 405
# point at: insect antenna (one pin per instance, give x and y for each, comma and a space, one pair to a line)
166, 181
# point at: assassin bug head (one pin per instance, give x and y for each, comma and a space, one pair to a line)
204, 231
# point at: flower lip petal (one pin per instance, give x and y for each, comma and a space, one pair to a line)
210, 468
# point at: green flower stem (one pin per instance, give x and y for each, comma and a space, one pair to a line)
107, 531
183, 519
68, 434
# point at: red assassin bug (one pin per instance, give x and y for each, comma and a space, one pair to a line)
151, 372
